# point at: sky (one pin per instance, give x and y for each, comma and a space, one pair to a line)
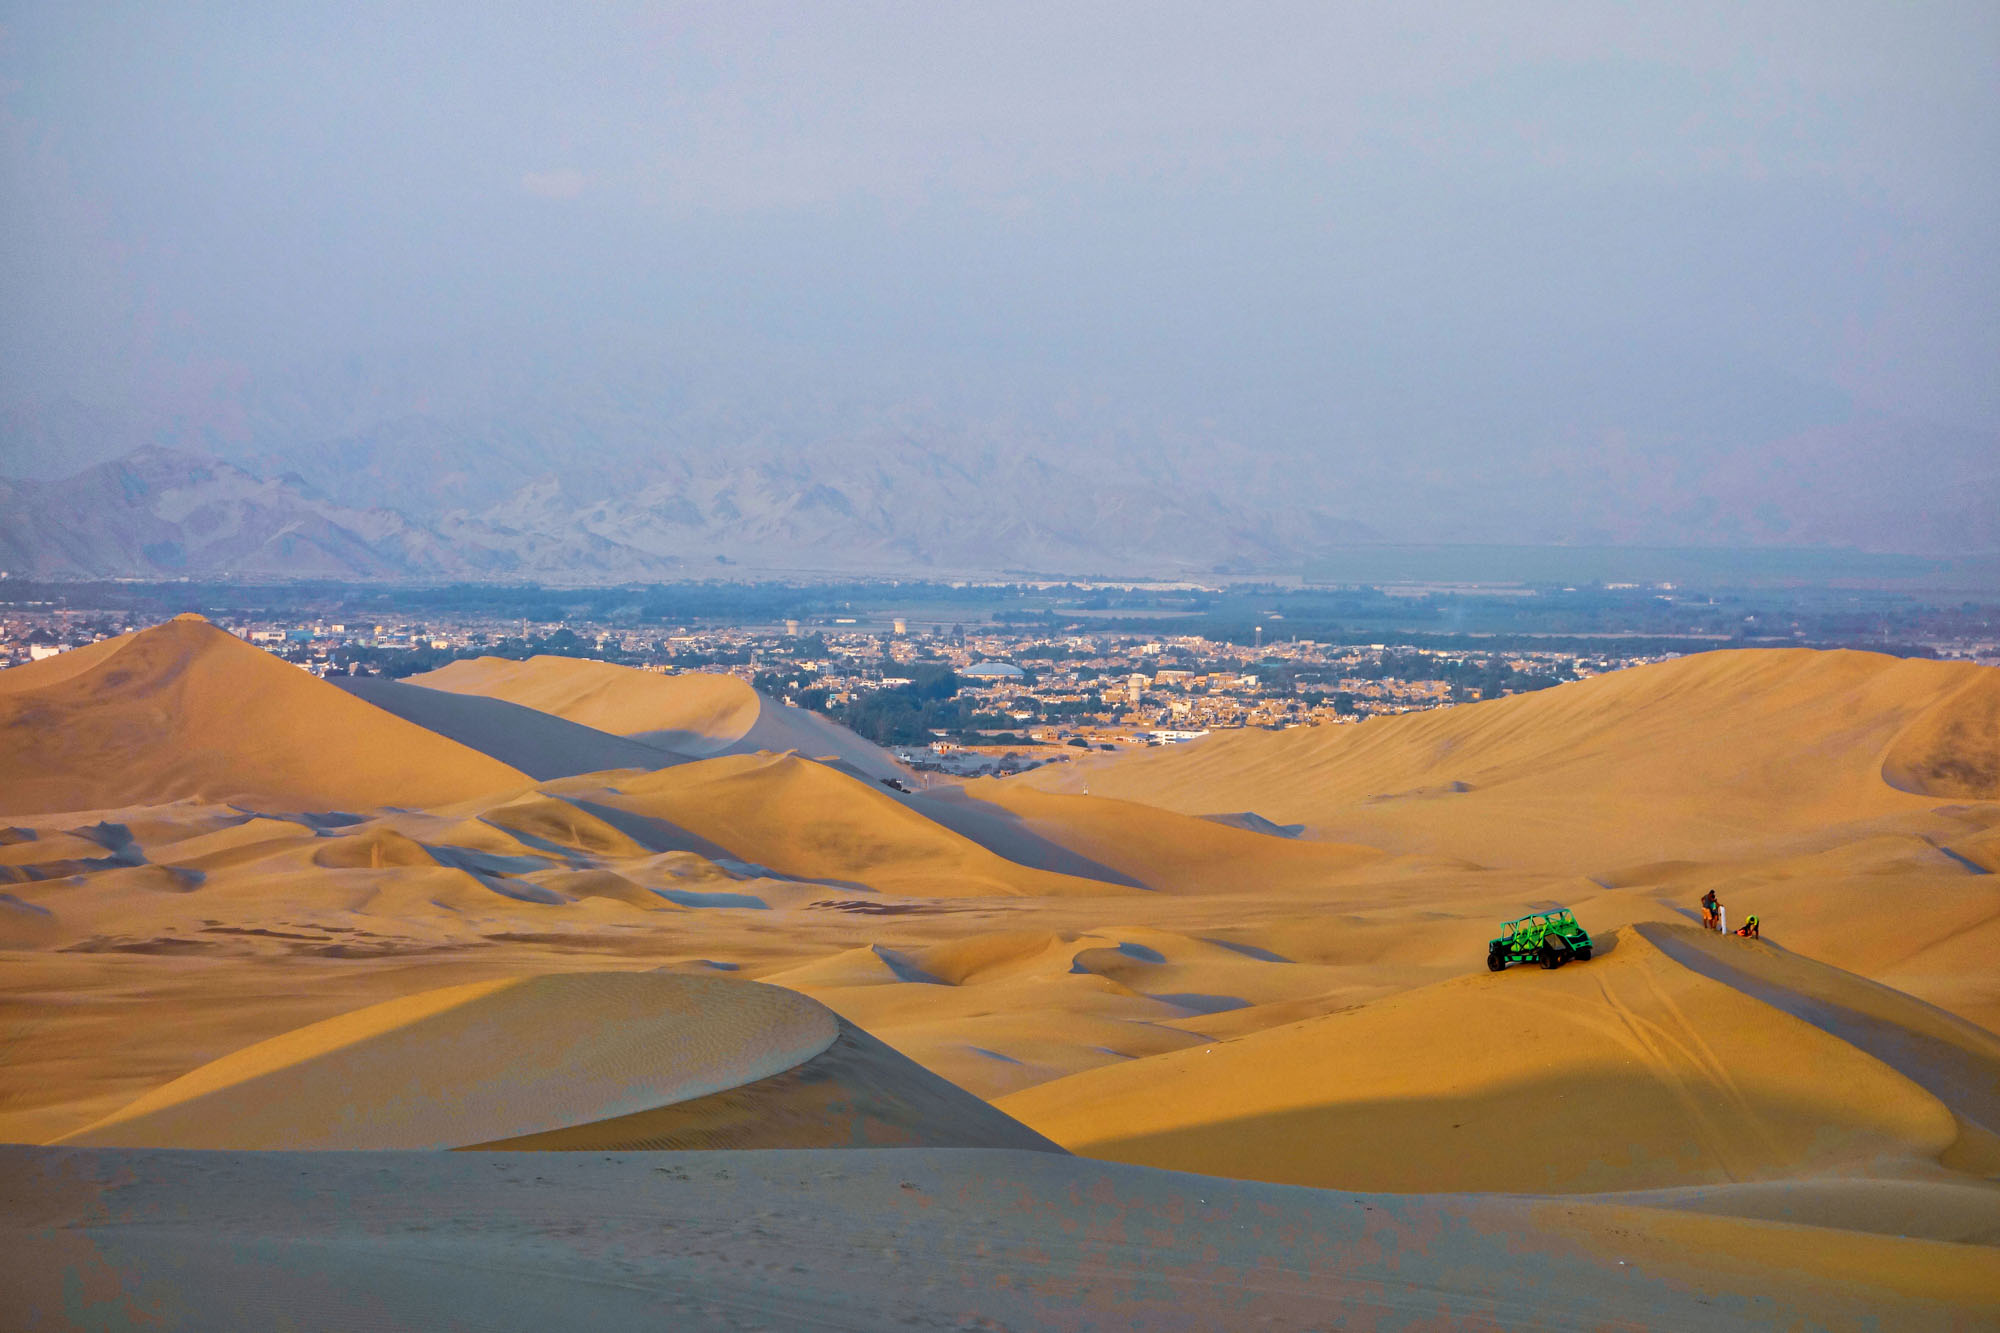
1403, 242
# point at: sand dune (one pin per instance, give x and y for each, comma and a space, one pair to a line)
236, 844
697, 713
1128, 978
482, 1061
707, 707
215, 881
539, 744
857, 1093
1673, 1058
553, 824
376, 849
474, 1062
602, 884
1000, 1010
1953, 747
184, 710
1717, 754
780, 727
1980, 851
610, 1060
1893, 907
807, 820
1168, 851
928, 1238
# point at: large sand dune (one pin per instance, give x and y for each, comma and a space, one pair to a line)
186, 710
541, 745
704, 714
1953, 746
708, 708
603, 1060
1672, 1058
1838, 794
811, 821
1719, 753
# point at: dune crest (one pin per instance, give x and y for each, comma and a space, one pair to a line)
1163, 850
593, 1061
539, 744
186, 711
707, 707
483, 1061
703, 714
814, 822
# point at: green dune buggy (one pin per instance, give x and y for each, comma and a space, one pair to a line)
1548, 938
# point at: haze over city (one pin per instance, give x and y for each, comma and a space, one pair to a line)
594, 294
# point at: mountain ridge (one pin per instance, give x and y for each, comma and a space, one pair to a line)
159, 511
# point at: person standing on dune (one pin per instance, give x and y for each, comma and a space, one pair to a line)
1711, 911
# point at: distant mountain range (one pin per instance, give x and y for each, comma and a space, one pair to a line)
627, 480
387, 511
159, 512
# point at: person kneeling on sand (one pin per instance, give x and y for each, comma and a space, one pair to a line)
1748, 930
1709, 908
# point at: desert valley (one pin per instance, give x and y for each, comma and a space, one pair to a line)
1201, 1036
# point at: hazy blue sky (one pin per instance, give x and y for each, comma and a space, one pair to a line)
1346, 231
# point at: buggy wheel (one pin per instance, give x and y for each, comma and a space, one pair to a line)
1583, 954
1550, 959
1496, 961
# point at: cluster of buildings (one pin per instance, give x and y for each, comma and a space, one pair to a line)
30, 634
1120, 691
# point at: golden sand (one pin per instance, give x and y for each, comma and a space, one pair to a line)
202, 849
480, 1062
695, 713
185, 710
